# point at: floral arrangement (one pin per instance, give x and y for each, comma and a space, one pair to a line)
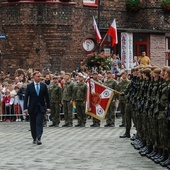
133, 5
100, 62
166, 5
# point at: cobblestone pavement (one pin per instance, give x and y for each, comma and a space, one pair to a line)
72, 148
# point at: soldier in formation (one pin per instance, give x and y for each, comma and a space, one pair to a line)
147, 104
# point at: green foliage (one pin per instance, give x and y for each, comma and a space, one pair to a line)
133, 5
101, 62
166, 5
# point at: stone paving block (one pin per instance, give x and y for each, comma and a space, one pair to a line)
75, 148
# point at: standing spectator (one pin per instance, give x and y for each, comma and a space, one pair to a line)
7, 104
17, 107
135, 62
144, 60
21, 94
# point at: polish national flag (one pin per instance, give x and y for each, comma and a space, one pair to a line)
113, 33
96, 30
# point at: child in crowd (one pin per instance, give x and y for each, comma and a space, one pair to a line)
17, 107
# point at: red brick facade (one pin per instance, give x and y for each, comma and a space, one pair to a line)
41, 35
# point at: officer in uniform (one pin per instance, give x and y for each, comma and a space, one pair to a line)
67, 100
124, 82
55, 101
80, 98
110, 117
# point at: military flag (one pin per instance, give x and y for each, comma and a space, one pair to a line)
98, 99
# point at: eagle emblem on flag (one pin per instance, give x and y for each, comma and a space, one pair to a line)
98, 99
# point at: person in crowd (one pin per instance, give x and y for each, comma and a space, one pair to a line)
7, 105
135, 62
21, 94
17, 107
47, 79
144, 60
1, 98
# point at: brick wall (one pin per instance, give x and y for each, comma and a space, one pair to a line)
39, 35
157, 49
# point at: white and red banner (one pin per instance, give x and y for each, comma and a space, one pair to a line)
98, 99
127, 50
112, 32
96, 31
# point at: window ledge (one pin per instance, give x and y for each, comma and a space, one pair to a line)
39, 2
90, 5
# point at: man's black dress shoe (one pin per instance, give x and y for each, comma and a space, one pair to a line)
125, 136
168, 166
34, 142
77, 125
39, 142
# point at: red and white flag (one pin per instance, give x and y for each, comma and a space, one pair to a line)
98, 99
113, 33
96, 31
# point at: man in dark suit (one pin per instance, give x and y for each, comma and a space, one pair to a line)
36, 104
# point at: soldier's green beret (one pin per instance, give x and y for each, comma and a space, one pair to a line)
157, 70
55, 77
68, 74
80, 75
141, 71
109, 72
95, 72
154, 67
164, 68
168, 70
146, 71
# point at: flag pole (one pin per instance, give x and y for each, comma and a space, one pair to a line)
103, 40
99, 22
